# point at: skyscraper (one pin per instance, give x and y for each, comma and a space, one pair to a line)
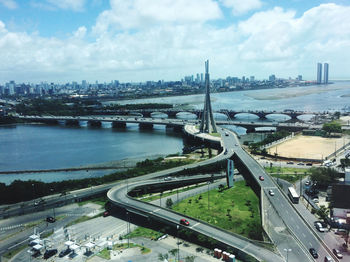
319, 73
325, 73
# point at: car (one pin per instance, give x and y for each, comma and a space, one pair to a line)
307, 183
261, 178
64, 252
319, 227
184, 222
290, 163
315, 200
328, 259
226, 134
313, 253
106, 213
271, 193
167, 178
49, 253
309, 164
51, 219
337, 253
300, 164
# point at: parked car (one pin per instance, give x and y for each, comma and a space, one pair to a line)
51, 219
313, 253
64, 252
49, 253
337, 253
319, 227
184, 222
300, 164
309, 164
290, 163
106, 214
271, 193
261, 178
328, 259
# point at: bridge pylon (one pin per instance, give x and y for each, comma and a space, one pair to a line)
207, 122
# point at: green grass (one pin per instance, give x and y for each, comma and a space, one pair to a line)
289, 174
157, 196
144, 232
215, 134
10, 254
235, 209
104, 253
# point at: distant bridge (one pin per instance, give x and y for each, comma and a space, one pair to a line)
147, 123
172, 113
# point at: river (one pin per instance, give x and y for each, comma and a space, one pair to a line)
31, 147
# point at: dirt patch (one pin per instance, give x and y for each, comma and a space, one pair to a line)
310, 147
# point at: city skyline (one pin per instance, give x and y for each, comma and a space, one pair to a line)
140, 40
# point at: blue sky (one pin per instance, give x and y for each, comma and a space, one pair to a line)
139, 40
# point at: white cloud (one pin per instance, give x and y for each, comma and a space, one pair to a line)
274, 41
10, 4
142, 13
240, 7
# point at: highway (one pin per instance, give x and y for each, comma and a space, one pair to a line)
299, 229
118, 195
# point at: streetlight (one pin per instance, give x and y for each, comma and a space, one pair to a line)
54, 215
178, 244
128, 228
287, 251
208, 193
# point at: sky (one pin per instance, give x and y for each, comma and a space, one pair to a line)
140, 40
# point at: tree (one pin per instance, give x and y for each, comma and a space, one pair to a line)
162, 257
169, 203
332, 127
189, 258
323, 213
324, 177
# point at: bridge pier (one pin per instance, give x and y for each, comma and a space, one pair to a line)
95, 123
119, 125
145, 126
171, 114
72, 122
147, 114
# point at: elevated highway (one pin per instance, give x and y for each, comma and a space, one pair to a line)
299, 234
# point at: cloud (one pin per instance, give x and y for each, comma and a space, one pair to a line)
240, 7
10, 4
274, 41
142, 13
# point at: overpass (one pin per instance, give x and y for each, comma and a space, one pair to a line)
296, 233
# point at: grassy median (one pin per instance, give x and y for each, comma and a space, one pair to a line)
235, 210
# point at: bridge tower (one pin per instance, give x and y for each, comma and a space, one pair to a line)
207, 122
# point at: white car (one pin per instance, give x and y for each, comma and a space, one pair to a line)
319, 227
271, 193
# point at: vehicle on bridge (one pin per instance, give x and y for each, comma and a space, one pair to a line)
184, 222
294, 197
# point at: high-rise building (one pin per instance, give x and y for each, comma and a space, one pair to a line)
319, 73
300, 77
325, 73
272, 78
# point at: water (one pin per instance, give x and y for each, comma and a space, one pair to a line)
33, 147
50, 147
318, 98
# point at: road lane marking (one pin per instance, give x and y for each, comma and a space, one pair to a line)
154, 211
195, 225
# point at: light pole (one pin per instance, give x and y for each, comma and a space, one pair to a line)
178, 244
287, 251
208, 193
128, 228
54, 215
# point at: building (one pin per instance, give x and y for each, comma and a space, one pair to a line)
300, 77
325, 73
272, 78
319, 73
